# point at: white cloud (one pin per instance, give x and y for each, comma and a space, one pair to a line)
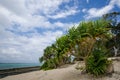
17, 7
84, 10
87, 1
64, 26
115, 2
45, 6
27, 14
95, 12
4, 17
64, 14
22, 47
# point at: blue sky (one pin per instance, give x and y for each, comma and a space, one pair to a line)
28, 26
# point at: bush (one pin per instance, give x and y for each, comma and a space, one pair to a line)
50, 64
97, 63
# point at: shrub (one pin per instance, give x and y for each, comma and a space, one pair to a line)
97, 62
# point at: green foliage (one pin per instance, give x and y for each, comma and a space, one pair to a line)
50, 64
79, 41
97, 62
115, 29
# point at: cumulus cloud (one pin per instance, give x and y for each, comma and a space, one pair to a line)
45, 6
93, 12
19, 39
98, 12
21, 47
64, 14
28, 14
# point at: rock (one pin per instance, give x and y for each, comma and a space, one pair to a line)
80, 65
114, 58
110, 69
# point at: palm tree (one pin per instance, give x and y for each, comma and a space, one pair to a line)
88, 33
78, 41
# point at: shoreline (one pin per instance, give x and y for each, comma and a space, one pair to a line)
66, 72
15, 71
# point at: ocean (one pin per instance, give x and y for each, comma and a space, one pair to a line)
17, 65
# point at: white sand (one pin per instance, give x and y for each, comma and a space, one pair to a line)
68, 73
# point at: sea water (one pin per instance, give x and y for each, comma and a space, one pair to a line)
17, 65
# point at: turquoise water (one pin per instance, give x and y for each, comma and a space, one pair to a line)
17, 65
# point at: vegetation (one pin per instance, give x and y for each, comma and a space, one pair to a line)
97, 62
114, 44
78, 42
90, 41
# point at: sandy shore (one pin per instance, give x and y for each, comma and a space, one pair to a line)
66, 73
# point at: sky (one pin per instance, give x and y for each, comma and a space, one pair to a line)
27, 27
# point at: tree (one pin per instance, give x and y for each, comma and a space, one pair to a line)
79, 42
114, 43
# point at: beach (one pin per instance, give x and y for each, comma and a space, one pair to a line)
68, 72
